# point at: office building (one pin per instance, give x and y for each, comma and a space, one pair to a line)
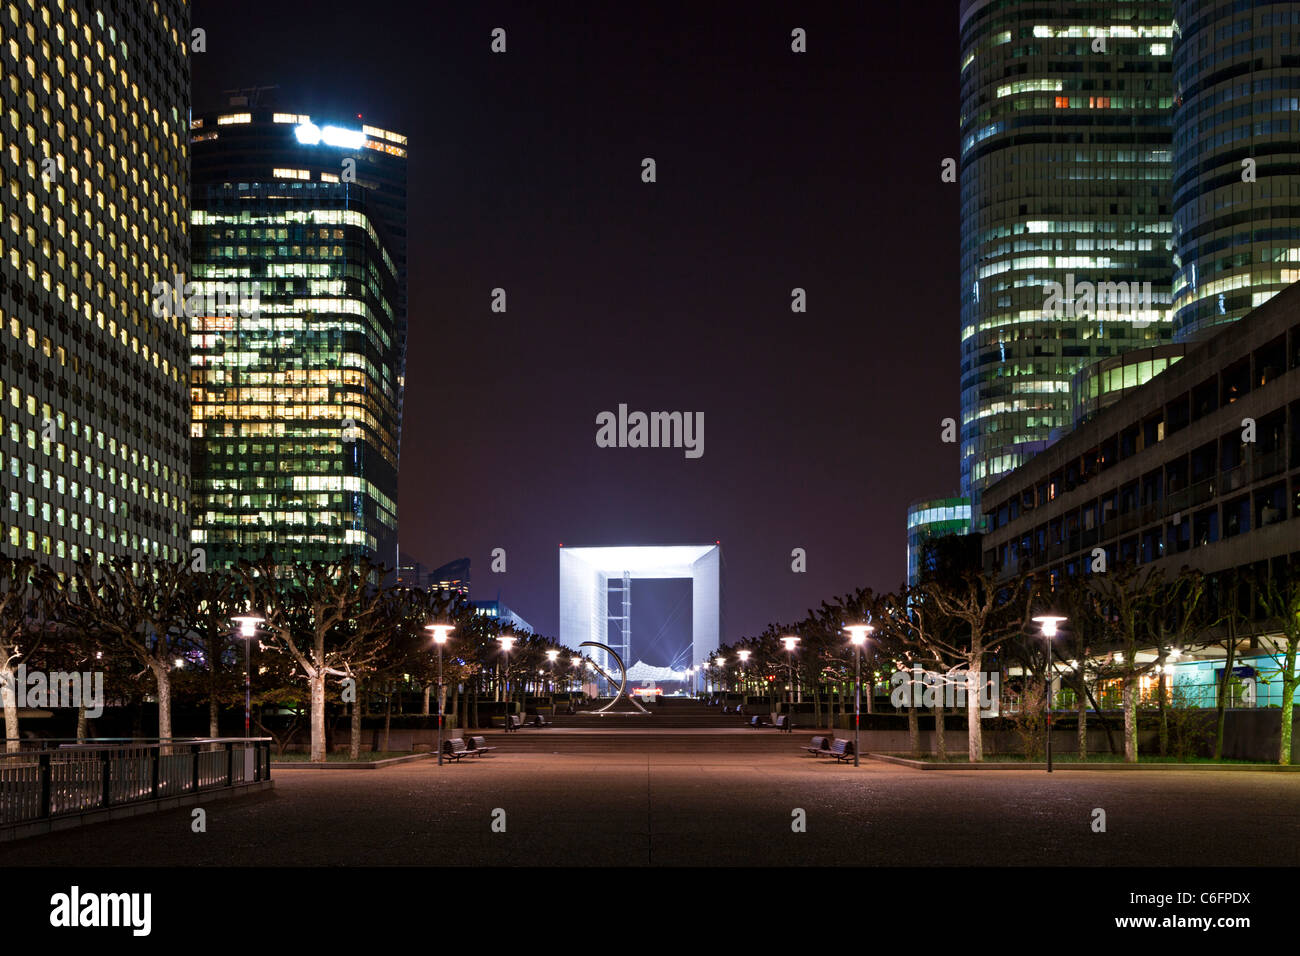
1064, 172
94, 174
1236, 159
298, 367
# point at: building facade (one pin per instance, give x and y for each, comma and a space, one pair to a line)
1199, 467
94, 171
298, 369
1066, 129
1236, 161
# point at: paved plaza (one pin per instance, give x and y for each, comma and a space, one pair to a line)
638, 808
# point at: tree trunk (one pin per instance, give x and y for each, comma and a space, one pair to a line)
83, 732
214, 729
163, 679
425, 711
1222, 703
1290, 681
913, 729
9, 690
1130, 719
388, 717
974, 732
455, 703
1164, 713
940, 745
1081, 708
316, 681
354, 735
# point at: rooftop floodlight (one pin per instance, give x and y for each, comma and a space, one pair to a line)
858, 633
440, 632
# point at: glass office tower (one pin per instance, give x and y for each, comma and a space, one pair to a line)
299, 266
1236, 197
94, 174
1065, 210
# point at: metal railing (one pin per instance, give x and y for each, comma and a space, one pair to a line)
57, 777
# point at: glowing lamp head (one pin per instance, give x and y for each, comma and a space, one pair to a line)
248, 624
440, 632
1050, 623
858, 633
743, 655
789, 642
507, 643
719, 662
552, 655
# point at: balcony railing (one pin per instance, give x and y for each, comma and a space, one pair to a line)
53, 778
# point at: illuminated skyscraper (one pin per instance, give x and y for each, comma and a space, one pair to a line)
1065, 211
94, 174
1236, 196
297, 380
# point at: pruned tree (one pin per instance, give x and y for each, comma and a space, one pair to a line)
325, 616
19, 590
1279, 600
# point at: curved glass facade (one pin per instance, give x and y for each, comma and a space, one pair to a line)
1104, 383
1065, 213
933, 518
1236, 95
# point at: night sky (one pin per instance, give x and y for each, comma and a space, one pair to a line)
775, 170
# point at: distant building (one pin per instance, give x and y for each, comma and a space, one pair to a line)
507, 617
931, 518
451, 577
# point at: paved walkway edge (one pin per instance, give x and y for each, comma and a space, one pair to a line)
1074, 765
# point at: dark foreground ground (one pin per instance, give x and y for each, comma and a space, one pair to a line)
708, 809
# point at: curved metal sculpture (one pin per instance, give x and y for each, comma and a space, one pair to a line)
622, 682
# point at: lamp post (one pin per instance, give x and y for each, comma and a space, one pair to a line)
1049, 622
789, 643
857, 637
577, 671
440, 632
507, 643
720, 677
248, 630
744, 656
552, 655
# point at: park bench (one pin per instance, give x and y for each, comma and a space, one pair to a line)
783, 723
841, 750
755, 722
455, 748
478, 746
537, 720
819, 746
513, 722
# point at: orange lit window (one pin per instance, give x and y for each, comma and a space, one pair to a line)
1062, 102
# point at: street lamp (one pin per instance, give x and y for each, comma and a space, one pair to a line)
552, 655
857, 637
789, 643
1049, 622
719, 679
440, 632
507, 643
248, 630
744, 656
